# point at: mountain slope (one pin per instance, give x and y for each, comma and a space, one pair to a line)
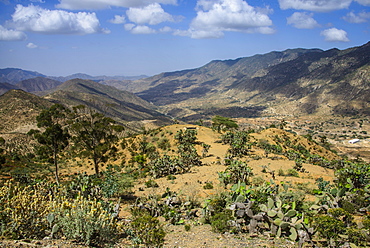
37, 84
120, 105
172, 87
96, 78
15, 75
4, 87
333, 81
292, 82
19, 108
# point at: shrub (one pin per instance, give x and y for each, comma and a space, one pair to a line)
220, 221
151, 184
292, 173
23, 210
328, 227
187, 227
281, 172
208, 185
164, 144
87, 221
147, 230
239, 171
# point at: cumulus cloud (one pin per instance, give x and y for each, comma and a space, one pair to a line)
363, 2
315, 5
36, 19
215, 17
31, 45
334, 34
152, 14
302, 20
118, 19
103, 4
11, 35
139, 29
360, 18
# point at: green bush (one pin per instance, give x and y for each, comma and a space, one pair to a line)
151, 184
164, 144
208, 185
292, 173
220, 221
147, 230
329, 227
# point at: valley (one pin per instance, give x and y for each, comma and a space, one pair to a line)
249, 152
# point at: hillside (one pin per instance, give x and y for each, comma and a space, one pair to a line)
4, 87
96, 78
292, 82
19, 109
15, 75
123, 106
37, 84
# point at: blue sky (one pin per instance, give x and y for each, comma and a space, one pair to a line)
135, 37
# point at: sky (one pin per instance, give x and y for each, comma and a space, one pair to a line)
147, 37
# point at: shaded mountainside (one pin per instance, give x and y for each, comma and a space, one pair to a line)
334, 79
4, 87
172, 87
15, 75
120, 105
19, 108
96, 78
37, 84
292, 82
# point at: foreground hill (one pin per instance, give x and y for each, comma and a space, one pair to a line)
123, 106
296, 81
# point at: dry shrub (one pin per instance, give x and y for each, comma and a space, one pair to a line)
23, 210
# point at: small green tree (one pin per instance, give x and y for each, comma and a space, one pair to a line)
55, 137
94, 135
223, 123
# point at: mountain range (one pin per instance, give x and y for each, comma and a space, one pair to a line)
18, 108
294, 82
15, 75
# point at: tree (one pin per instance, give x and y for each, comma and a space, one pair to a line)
55, 137
94, 135
2, 157
221, 123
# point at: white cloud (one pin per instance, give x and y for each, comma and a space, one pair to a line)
39, 20
11, 35
363, 2
104, 4
118, 19
152, 14
360, 18
140, 29
166, 29
334, 34
215, 17
315, 5
199, 34
31, 45
302, 20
